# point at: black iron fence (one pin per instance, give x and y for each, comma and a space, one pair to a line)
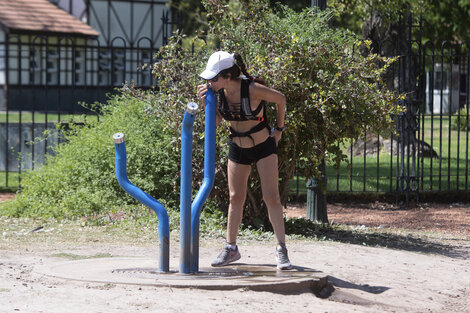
55, 74
43, 80
431, 150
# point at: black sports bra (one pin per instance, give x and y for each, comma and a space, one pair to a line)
244, 112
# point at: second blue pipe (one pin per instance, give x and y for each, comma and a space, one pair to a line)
185, 187
209, 176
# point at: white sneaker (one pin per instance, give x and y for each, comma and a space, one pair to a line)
227, 256
282, 258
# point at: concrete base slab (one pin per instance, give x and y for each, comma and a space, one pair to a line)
143, 271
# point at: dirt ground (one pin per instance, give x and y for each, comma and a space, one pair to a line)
436, 217
428, 270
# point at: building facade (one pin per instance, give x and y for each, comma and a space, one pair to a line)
55, 54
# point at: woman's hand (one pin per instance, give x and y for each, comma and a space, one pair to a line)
201, 92
277, 134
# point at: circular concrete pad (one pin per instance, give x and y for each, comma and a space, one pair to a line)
143, 271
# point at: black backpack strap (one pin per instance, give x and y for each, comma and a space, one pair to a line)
254, 129
245, 99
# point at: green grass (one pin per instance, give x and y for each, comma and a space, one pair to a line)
370, 174
379, 174
9, 181
443, 141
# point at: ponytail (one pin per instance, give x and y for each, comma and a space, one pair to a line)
239, 62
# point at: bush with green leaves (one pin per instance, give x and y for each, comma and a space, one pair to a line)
460, 120
334, 94
80, 179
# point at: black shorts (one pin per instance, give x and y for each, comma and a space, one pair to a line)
251, 155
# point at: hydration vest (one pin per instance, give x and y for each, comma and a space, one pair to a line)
244, 113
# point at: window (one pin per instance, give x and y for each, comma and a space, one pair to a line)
111, 67
145, 72
104, 67
118, 67
52, 58
440, 80
35, 63
34, 60
79, 71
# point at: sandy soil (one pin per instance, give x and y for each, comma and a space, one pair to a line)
453, 218
362, 278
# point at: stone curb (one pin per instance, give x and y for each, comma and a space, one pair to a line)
143, 272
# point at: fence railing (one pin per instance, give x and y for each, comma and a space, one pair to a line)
43, 80
54, 74
431, 152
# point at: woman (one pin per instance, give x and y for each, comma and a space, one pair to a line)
241, 101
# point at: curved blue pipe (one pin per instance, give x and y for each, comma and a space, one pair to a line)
186, 187
149, 201
209, 176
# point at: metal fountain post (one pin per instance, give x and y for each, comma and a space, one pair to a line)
149, 201
185, 183
189, 212
209, 176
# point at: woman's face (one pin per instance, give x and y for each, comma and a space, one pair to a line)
217, 82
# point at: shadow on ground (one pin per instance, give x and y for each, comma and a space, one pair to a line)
304, 227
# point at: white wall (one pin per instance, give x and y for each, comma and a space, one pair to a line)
78, 8
446, 90
130, 20
2, 70
127, 20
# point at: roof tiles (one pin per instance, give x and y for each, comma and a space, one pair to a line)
41, 16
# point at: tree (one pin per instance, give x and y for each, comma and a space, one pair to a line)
194, 16
447, 20
334, 94
296, 5
442, 19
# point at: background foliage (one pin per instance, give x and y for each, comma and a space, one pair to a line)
80, 179
442, 19
334, 94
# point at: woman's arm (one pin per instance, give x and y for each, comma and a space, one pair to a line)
261, 92
201, 93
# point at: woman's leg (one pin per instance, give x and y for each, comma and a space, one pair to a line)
269, 177
237, 184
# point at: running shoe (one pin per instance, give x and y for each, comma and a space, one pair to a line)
227, 256
282, 258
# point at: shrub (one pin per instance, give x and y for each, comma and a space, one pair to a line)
80, 179
334, 94
460, 120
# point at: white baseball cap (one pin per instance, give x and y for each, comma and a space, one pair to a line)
218, 62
